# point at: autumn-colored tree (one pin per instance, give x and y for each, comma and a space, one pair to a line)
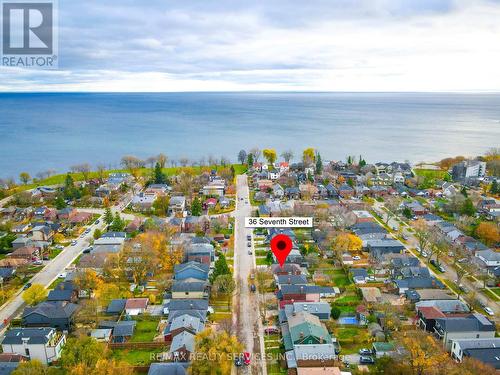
24, 177
423, 353
103, 367
308, 156
215, 352
35, 294
421, 232
224, 284
33, 367
488, 232
81, 354
270, 155
106, 292
133, 164
87, 280
157, 243
162, 160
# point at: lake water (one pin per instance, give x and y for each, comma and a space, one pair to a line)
55, 131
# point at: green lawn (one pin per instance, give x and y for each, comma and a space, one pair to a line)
261, 261
137, 356
261, 253
491, 295
348, 299
145, 331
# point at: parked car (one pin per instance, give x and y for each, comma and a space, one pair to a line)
73, 243
97, 222
249, 244
246, 358
62, 275
463, 288
488, 310
437, 265
26, 286
238, 361
365, 352
253, 288
364, 360
59, 247
356, 257
249, 237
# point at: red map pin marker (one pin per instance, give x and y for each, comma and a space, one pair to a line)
281, 245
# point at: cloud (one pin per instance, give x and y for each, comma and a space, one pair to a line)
343, 45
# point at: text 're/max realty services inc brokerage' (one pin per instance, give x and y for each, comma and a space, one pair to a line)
279, 222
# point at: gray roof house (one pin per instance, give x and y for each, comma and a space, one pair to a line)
166, 368
473, 326
58, 315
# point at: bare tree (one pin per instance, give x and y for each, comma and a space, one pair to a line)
151, 161
255, 151
184, 161
101, 169
162, 159
133, 164
224, 161
287, 155
83, 168
392, 206
263, 278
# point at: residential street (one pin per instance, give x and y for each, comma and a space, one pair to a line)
245, 303
449, 273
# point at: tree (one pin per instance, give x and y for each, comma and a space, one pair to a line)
255, 153
468, 208
407, 212
101, 172
335, 312
97, 233
24, 177
108, 216
464, 192
35, 294
319, 164
270, 155
117, 225
488, 233
33, 367
159, 176
421, 232
82, 353
263, 278
392, 206
84, 169
308, 156
215, 352
494, 189
287, 155
162, 160
423, 352
250, 160
161, 204
59, 202
242, 156
196, 207
225, 284
133, 164
220, 268
106, 292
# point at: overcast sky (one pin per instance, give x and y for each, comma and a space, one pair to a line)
326, 45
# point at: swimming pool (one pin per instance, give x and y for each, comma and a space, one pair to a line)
351, 320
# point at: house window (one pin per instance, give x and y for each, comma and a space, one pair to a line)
27, 351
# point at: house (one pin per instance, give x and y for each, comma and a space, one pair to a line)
194, 289
7, 273
381, 349
379, 248
287, 269
484, 350
191, 270
424, 282
278, 191
64, 292
290, 280
315, 355
177, 204
42, 233
292, 192
136, 306
359, 275
116, 306
143, 202
416, 208
195, 223
102, 334
21, 228
371, 295
166, 368
194, 307
214, 188
468, 169
59, 315
22, 241
320, 371
473, 326
312, 293
9, 362
42, 343
320, 309
363, 216
345, 191
200, 252
489, 257
183, 323
306, 329
122, 330
29, 253
182, 347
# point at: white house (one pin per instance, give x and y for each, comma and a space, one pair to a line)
136, 306
489, 257
44, 343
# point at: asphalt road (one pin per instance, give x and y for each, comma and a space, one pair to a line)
245, 303
449, 273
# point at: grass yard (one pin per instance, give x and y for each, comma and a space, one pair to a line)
145, 331
275, 369
348, 299
261, 261
491, 295
137, 356
261, 253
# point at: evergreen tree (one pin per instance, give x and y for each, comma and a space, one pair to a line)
220, 268
494, 187
250, 159
108, 216
319, 164
59, 202
310, 177
362, 161
233, 172
118, 225
349, 160
196, 207
159, 176
464, 192
269, 258
468, 208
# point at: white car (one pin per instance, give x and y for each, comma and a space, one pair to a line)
488, 310
356, 257
73, 243
62, 275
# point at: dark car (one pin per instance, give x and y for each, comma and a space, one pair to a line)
365, 351
26, 286
249, 237
238, 361
365, 360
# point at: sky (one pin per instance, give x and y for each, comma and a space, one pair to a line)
281, 45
